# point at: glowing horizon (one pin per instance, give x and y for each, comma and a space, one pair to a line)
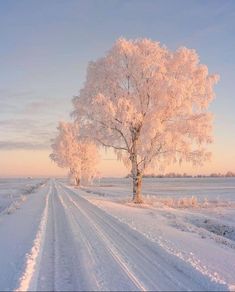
36, 163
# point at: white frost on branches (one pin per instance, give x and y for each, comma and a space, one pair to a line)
78, 155
149, 104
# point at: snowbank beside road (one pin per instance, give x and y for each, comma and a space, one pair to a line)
18, 232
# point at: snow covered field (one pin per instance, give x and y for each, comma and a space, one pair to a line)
213, 189
63, 238
14, 191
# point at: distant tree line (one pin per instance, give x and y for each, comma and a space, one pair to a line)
185, 175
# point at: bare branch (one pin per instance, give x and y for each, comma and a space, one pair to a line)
109, 145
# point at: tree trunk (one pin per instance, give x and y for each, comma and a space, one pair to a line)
137, 188
137, 178
77, 179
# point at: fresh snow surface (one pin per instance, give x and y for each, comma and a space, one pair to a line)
69, 239
18, 230
15, 191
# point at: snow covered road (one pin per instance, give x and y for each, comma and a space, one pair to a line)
78, 246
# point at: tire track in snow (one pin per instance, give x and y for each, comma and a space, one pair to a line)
28, 280
116, 253
62, 265
53, 259
180, 275
83, 239
111, 249
119, 258
52, 235
101, 268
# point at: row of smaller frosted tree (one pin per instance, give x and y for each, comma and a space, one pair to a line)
149, 104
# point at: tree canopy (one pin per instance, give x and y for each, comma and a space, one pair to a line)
149, 104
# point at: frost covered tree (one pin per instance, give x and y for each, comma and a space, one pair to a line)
78, 155
149, 104
65, 150
89, 160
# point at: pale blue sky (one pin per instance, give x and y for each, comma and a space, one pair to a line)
46, 45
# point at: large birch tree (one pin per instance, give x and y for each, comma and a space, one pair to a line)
149, 104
